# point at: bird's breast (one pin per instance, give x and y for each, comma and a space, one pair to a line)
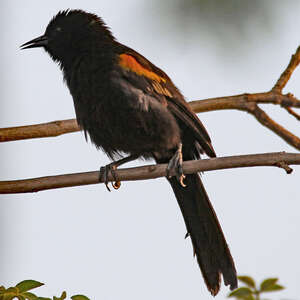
105, 113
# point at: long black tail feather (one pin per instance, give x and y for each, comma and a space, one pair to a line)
210, 247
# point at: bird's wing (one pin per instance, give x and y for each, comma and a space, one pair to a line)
152, 84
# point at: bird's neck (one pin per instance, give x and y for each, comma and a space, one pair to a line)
96, 55
87, 65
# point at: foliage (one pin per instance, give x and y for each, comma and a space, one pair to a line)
21, 292
248, 292
251, 292
223, 21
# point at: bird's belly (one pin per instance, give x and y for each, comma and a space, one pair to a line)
122, 129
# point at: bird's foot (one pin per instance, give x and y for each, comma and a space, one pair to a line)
174, 167
104, 173
110, 168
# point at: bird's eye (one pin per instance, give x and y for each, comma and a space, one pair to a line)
58, 28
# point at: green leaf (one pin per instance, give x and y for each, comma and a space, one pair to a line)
29, 296
43, 298
241, 292
247, 280
249, 297
12, 290
10, 293
62, 297
79, 297
267, 284
27, 285
8, 297
274, 288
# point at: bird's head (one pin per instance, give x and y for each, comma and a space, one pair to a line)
71, 33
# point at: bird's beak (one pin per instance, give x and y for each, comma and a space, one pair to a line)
41, 41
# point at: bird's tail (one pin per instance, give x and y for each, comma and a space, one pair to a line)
203, 227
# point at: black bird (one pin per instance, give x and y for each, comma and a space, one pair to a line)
127, 105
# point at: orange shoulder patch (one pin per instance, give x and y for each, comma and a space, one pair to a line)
128, 62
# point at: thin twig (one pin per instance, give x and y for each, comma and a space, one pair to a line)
293, 113
285, 166
286, 75
279, 159
266, 121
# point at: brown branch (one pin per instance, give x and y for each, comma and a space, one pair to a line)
50, 129
266, 121
286, 75
281, 159
284, 166
248, 103
243, 102
293, 113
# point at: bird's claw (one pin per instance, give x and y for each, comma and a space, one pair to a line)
181, 180
174, 167
104, 173
116, 185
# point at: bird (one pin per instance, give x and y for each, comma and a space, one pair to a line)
131, 110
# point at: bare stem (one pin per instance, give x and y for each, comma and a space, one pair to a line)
279, 159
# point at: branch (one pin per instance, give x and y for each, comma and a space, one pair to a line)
293, 113
54, 128
286, 75
244, 102
281, 160
249, 103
